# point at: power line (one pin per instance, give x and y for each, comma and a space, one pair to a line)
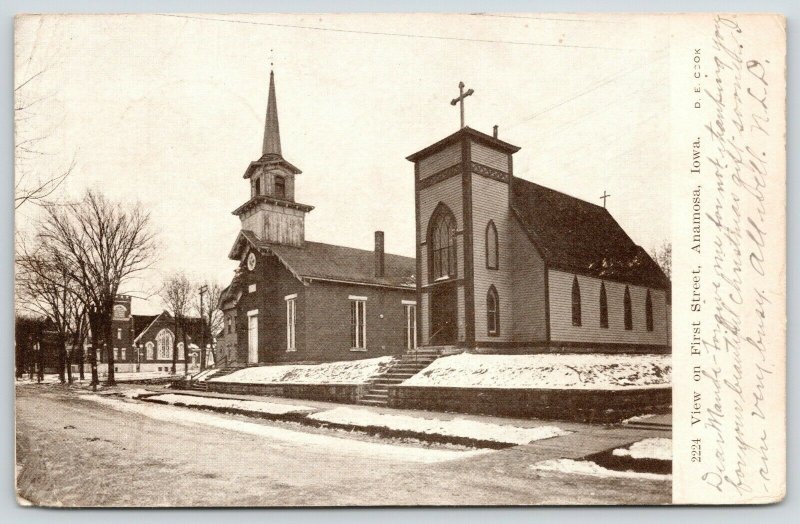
403, 35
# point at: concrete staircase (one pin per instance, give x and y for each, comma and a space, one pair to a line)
411, 363
202, 385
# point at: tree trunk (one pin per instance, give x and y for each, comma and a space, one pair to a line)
31, 360
94, 326
185, 348
69, 366
40, 363
62, 358
109, 342
175, 347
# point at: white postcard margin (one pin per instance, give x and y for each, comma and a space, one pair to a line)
728, 163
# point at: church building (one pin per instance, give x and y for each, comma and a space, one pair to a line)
507, 265
502, 265
296, 300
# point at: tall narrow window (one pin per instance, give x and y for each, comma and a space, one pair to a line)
442, 244
181, 352
648, 311
576, 303
358, 323
122, 354
119, 333
290, 322
164, 344
492, 249
149, 350
411, 325
280, 187
603, 306
492, 312
628, 310
257, 187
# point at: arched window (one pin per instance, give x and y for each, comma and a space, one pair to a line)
442, 242
603, 306
181, 354
628, 309
149, 350
492, 312
648, 311
280, 187
576, 303
164, 341
492, 249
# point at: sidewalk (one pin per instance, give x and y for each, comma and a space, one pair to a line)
557, 438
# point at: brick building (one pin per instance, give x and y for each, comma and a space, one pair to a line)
145, 342
295, 300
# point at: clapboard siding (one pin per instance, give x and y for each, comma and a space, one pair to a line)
562, 330
490, 202
489, 157
529, 292
448, 192
447, 157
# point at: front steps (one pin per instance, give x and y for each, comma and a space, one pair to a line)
202, 385
404, 367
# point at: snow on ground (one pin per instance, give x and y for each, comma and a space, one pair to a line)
343, 372
638, 418
134, 393
649, 448
584, 467
330, 444
547, 371
457, 427
253, 406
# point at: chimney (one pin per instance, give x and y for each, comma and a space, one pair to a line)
495, 131
379, 259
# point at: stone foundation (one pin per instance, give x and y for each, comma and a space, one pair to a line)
580, 405
343, 393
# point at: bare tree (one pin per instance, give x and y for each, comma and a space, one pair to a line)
37, 177
207, 308
177, 294
46, 290
663, 256
100, 245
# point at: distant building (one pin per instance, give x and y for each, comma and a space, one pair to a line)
145, 342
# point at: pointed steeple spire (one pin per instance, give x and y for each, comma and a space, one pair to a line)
272, 133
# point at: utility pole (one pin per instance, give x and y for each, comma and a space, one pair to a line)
203, 290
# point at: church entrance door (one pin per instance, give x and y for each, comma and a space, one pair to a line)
444, 315
252, 339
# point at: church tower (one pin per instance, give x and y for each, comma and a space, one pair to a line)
463, 186
271, 213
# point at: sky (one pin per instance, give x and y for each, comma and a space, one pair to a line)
168, 111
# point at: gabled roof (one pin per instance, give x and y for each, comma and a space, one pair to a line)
577, 236
318, 261
143, 323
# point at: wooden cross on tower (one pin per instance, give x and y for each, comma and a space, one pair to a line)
604, 197
462, 95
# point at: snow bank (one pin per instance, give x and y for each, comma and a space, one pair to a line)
452, 428
547, 371
649, 448
374, 451
583, 467
135, 393
253, 406
344, 372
